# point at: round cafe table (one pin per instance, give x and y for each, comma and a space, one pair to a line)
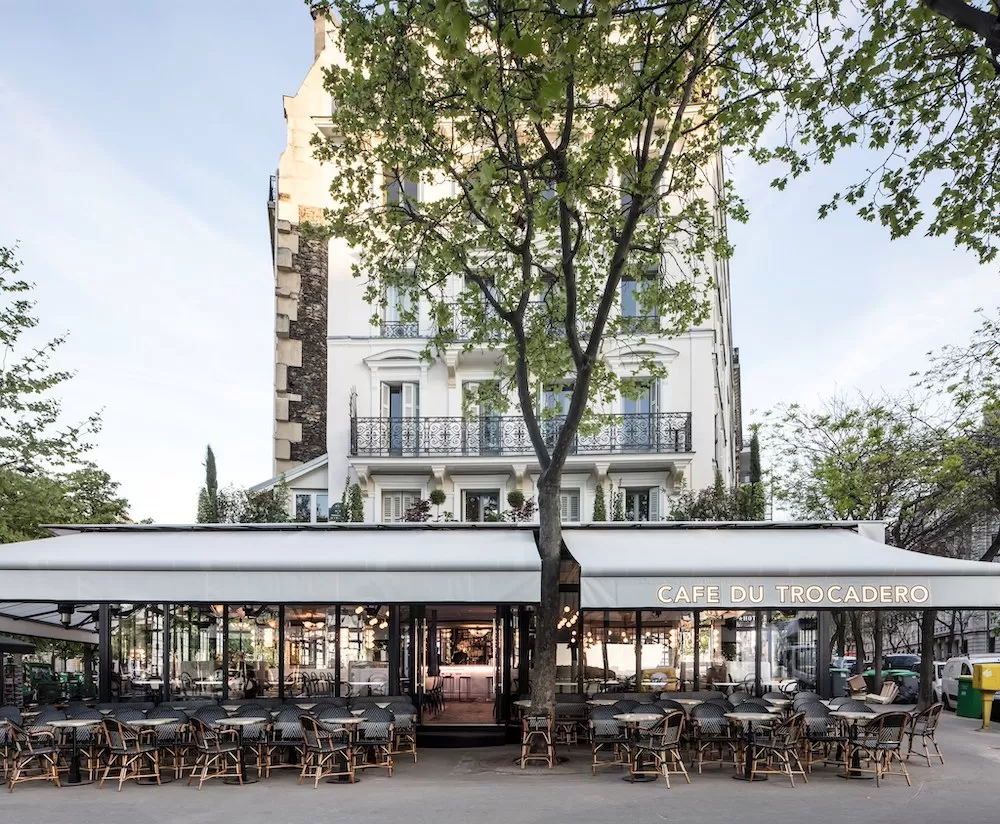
351, 725
238, 724
748, 719
599, 702
632, 720
687, 703
855, 719
74, 724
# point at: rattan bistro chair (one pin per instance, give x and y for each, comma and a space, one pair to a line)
780, 753
606, 735
218, 753
322, 747
924, 727
374, 741
404, 729
657, 750
129, 750
710, 730
35, 758
284, 739
881, 743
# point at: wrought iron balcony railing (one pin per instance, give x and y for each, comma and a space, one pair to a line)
501, 435
399, 329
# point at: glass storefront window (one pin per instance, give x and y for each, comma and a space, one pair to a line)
667, 650
137, 646
253, 651
364, 649
310, 651
196, 650
610, 641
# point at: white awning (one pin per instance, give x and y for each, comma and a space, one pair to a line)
274, 565
817, 567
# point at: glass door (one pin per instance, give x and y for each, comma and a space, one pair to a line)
463, 650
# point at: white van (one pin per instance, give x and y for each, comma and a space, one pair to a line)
954, 667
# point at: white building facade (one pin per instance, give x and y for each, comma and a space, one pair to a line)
354, 401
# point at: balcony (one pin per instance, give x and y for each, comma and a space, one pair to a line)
507, 435
399, 329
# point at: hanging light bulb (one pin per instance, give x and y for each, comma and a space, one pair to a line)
372, 621
383, 625
358, 610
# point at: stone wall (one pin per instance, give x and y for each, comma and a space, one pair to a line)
301, 349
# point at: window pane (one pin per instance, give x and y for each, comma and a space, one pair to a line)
322, 508
137, 644
364, 649
630, 306
196, 645
253, 651
310, 650
303, 509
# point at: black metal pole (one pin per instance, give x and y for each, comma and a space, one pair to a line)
104, 652
758, 634
336, 654
281, 651
225, 652
638, 651
696, 679
824, 688
507, 633
395, 641
167, 654
523, 644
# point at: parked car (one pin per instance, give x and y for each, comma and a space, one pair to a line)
936, 688
902, 661
953, 668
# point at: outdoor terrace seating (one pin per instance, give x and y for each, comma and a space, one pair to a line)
780, 751
924, 727
375, 738
656, 750
322, 748
218, 753
35, 758
881, 744
130, 751
710, 730
606, 735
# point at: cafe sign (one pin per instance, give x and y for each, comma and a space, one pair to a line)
787, 594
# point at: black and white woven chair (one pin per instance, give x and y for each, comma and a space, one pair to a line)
374, 742
130, 751
218, 753
323, 746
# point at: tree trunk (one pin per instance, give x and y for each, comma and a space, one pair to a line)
543, 680
877, 626
925, 692
859, 641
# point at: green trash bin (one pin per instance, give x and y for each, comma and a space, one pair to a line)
970, 700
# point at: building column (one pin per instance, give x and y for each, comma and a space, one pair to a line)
225, 652
696, 676
281, 650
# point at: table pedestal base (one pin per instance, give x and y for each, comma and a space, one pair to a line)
741, 777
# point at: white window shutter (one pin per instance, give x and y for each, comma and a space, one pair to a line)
392, 304
410, 400
563, 506
574, 506
654, 503
385, 400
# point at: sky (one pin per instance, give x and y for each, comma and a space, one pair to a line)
137, 141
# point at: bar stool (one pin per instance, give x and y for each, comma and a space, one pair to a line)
537, 729
489, 687
465, 682
449, 686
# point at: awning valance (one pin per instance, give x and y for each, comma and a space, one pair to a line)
782, 567
375, 566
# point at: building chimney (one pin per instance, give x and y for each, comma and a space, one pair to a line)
321, 25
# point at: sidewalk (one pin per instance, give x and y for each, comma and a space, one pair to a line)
486, 785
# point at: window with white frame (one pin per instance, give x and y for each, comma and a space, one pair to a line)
310, 507
642, 504
480, 505
399, 188
569, 506
396, 503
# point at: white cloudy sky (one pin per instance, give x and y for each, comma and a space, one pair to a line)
137, 139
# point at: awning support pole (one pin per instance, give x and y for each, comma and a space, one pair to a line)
104, 652
823, 635
167, 655
758, 633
